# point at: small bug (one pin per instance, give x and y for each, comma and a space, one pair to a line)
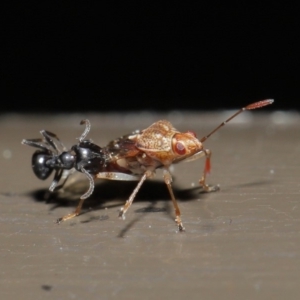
134, 156
161, 145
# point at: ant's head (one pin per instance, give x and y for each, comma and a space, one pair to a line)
39, 164
49, 157
84, 157
45, 161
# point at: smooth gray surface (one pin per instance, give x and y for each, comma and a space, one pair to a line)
242, 242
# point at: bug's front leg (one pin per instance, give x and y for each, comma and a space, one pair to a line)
168, 181
206, 171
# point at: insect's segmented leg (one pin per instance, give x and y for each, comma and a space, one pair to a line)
91, 181
72, 215
82, 198
87, 129
168, 181
132, 196
49, 136
37, 143
56, 180
202, 182
65, 176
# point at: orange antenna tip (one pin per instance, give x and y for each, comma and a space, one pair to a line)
259, 104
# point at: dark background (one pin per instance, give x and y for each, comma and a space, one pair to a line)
129, 56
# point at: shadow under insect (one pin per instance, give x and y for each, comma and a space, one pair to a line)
110, 194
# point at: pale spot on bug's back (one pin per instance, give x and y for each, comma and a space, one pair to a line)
158, 135
164, 143
166, 128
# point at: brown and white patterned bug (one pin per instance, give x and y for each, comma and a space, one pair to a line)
159, 146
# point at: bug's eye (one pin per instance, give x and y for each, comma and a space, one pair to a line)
180, 148
192, 133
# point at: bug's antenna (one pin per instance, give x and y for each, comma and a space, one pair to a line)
248, 107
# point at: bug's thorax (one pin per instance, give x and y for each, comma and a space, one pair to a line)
164, 144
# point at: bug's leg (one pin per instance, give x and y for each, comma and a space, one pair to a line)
56, 180
117, 176
92, 184
49, 137
54, 187
65, 176
37, 143
202, 181
132, 196
72, 215
87, 129
168, 181
82, 198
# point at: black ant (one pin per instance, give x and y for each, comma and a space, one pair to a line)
85, 157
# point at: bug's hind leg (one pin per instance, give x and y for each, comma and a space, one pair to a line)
202, 181
133, 194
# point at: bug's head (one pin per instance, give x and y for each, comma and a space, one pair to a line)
50, 157
185, 144
45, 161
39, 164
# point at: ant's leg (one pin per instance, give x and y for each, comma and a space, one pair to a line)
54, 187
92, 184
65, 176
72, 215
132, 196
168, 181
87, 129
49, 136
202, 182
82, 198
56, 180
37, 143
